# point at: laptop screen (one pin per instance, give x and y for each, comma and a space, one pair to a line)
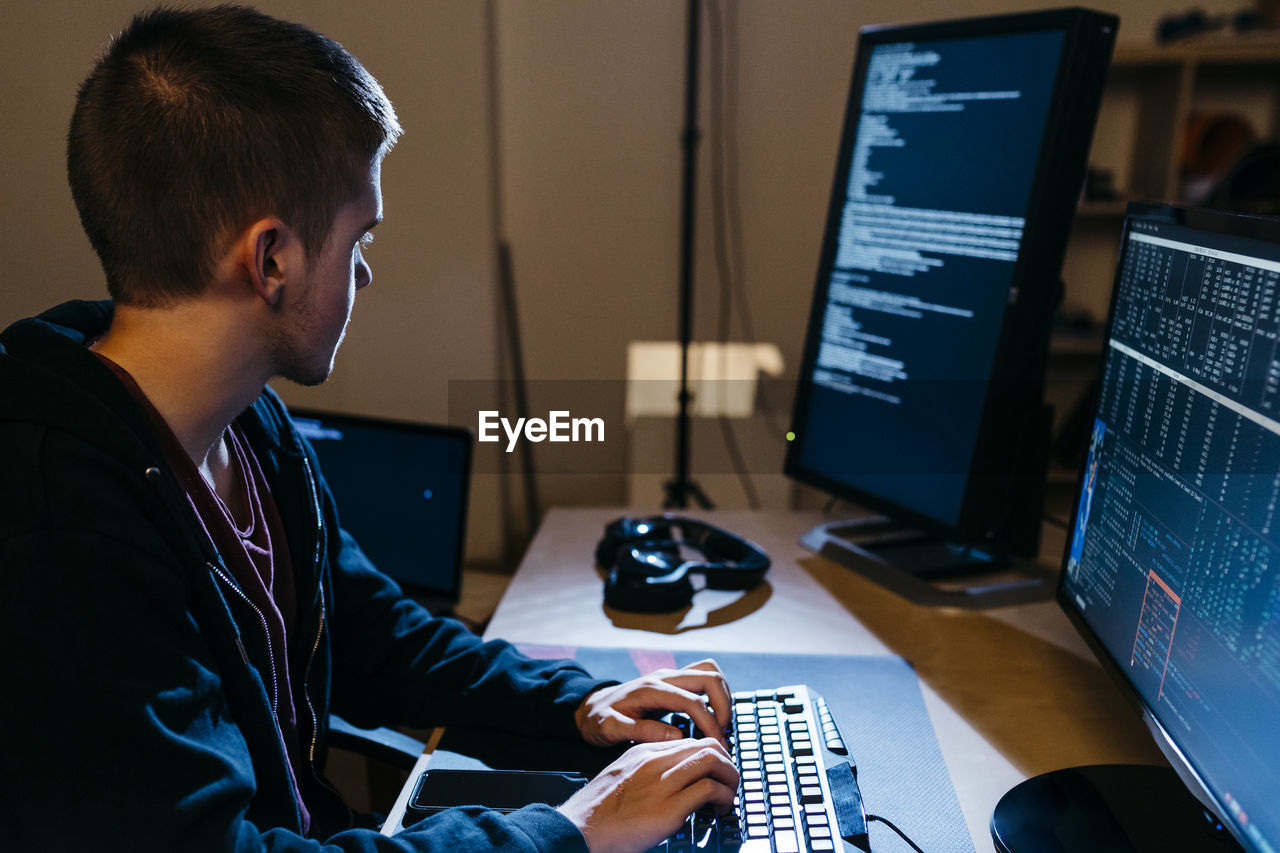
401, 491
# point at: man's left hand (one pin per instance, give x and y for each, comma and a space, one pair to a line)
624, 712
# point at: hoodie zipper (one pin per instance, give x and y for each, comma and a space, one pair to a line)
315, 645
271, 658
275, 690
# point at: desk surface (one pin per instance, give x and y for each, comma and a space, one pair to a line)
1011, 692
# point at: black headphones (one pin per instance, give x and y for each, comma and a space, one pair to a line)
645, 572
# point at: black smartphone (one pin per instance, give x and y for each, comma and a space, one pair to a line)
501, 790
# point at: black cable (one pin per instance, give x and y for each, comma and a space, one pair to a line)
508, 320
732, 198
724, 267
734, 204
891, 825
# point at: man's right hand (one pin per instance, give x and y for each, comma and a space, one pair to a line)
644, 796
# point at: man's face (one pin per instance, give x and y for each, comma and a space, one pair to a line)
314, 324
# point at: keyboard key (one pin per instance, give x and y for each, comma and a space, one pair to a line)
785, 823
810, 794
786, 841
820, 845
819, 832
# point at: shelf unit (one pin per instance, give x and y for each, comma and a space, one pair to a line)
1152, 93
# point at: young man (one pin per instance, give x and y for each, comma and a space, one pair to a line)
179, 607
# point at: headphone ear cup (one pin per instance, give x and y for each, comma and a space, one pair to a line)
606, 551
635, 595
634, 584
607, 548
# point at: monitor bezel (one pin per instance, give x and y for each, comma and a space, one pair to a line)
1220, 222
1022, 343
456, 434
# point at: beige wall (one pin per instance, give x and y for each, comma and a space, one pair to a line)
591, 99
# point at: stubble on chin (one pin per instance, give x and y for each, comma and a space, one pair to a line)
297, 364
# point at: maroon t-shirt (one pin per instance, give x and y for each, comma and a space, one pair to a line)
252, 543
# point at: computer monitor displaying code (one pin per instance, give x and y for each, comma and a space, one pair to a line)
936, 206
401, 491
962, 158
1173, 566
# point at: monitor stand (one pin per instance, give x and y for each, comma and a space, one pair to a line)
1116, 808
911, 564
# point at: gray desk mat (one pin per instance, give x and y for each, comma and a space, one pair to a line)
876, 701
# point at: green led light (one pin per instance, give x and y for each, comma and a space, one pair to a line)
791, 436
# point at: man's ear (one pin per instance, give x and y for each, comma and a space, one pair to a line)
273, 256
